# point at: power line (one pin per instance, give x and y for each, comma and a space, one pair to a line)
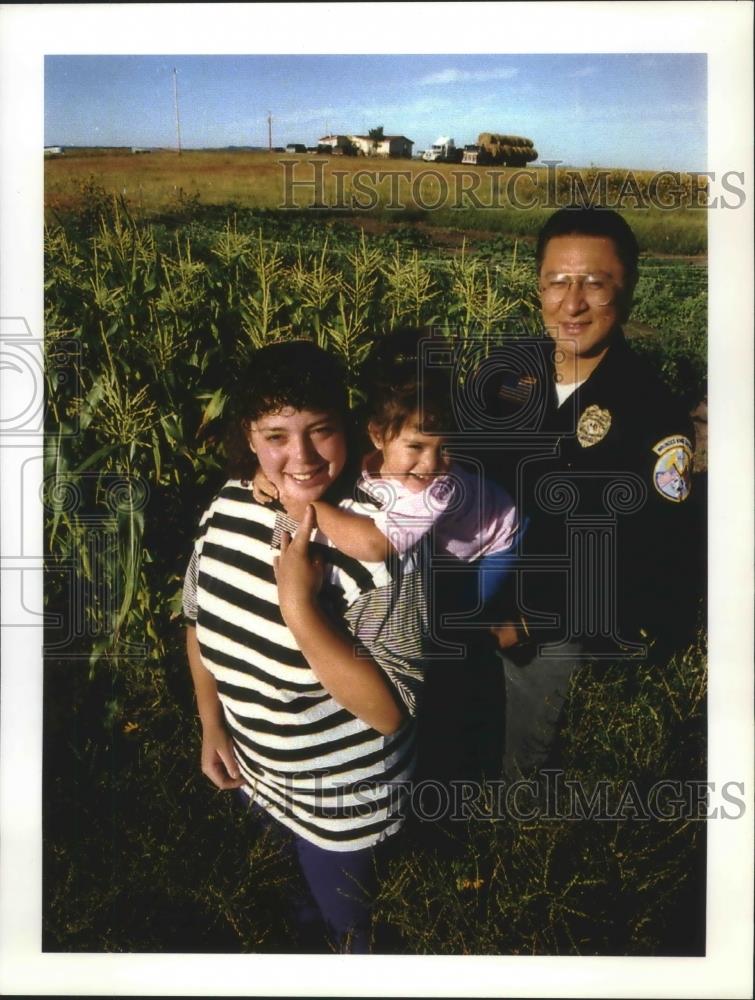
175, 101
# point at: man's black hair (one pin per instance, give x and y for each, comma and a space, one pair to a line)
593, 222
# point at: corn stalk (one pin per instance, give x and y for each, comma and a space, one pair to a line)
409, 287
259, 310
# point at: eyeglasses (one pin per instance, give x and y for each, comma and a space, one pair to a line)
597, 289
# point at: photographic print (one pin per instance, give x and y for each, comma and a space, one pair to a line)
363, 401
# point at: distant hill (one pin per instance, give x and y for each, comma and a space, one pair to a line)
101, 150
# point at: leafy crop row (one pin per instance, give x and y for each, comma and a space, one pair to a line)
151, 321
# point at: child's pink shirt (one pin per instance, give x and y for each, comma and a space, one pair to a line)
472, 517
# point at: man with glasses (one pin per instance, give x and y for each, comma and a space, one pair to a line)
608, 563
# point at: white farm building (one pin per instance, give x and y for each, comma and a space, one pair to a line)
363, 145
389, 145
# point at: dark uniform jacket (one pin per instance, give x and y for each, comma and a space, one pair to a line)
612, 553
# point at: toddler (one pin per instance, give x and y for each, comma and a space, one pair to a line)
410, 478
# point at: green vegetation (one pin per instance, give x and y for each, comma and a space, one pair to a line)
589, 874
672, 299
144, 322
143, 854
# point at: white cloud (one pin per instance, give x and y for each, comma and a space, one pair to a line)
468, 76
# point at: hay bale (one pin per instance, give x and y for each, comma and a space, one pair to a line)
498, 139
520, 156
513, 150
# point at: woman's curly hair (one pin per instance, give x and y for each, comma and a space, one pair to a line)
293, 373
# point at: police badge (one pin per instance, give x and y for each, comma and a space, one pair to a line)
593, 426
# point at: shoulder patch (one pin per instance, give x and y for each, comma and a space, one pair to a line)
673, 468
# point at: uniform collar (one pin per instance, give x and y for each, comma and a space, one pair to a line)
604, 371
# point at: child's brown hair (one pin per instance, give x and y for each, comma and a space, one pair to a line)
400, 383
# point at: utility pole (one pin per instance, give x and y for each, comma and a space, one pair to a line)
270, 131
175, 101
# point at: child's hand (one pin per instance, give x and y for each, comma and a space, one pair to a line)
299, 577
263, 490
507, 635
218, 761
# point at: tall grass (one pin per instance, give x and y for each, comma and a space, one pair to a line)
561, 880
142, 854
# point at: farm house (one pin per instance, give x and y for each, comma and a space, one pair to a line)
389, 146
338, 143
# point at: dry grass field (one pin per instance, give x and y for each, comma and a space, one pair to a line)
153, 181
507, 200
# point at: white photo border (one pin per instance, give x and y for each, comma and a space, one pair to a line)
724, 32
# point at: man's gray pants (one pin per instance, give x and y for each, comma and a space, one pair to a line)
535, 694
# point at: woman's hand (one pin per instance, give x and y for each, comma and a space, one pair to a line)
218, 761
299, 576
357, 683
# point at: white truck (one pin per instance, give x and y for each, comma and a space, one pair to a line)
443, 150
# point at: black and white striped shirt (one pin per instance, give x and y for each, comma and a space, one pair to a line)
313, 765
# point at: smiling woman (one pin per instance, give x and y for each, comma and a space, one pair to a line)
302, 453
313, 734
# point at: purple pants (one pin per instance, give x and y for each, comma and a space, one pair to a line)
343, 885
337, 911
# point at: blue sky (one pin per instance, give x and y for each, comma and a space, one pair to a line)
644, 110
